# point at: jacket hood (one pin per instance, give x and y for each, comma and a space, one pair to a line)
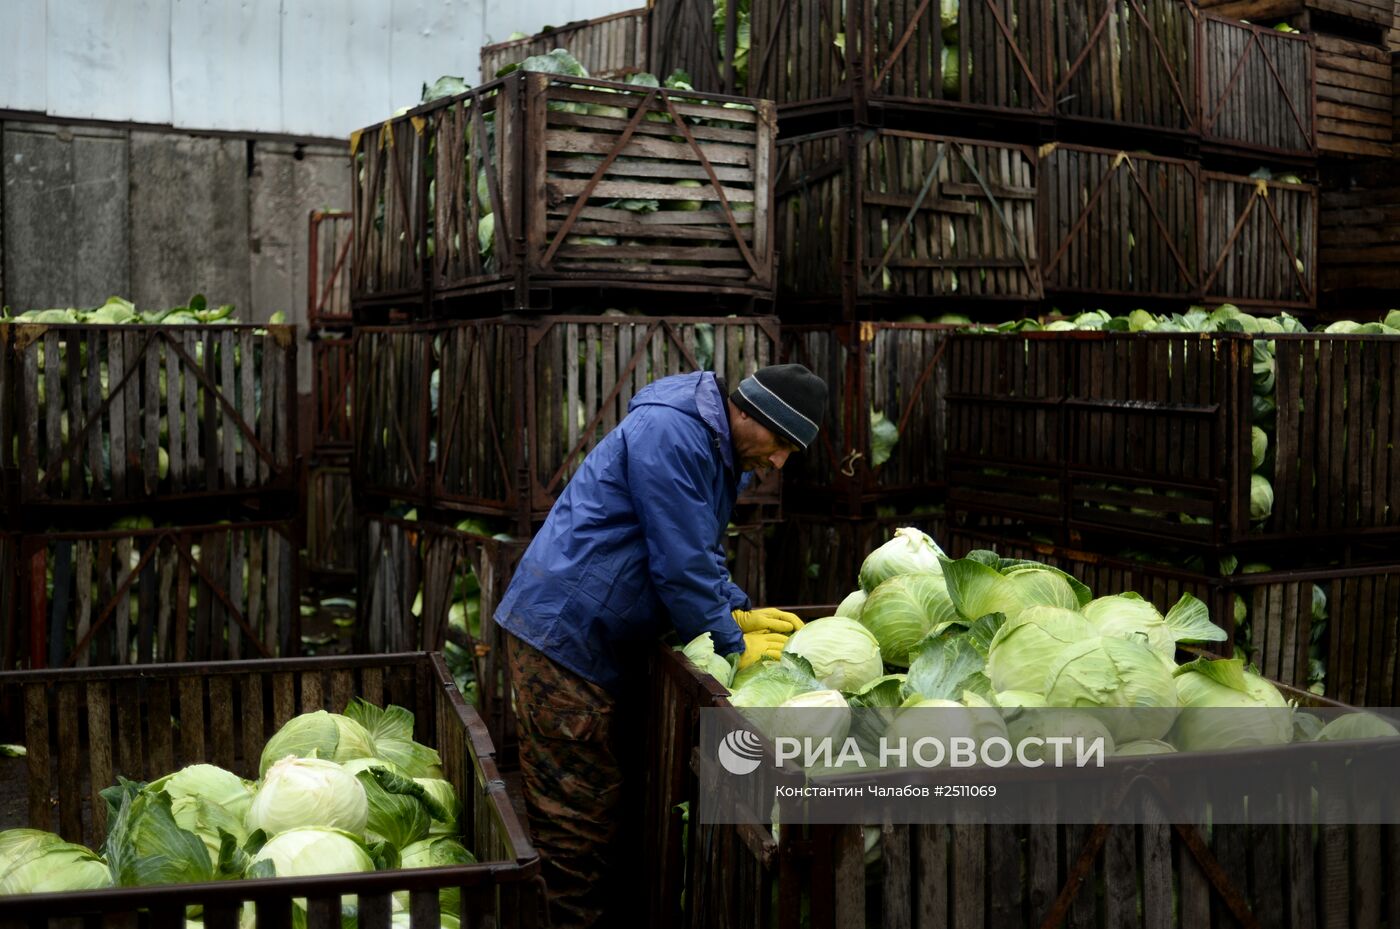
696, 395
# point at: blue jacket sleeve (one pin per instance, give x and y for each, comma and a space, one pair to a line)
738, 600
671, 473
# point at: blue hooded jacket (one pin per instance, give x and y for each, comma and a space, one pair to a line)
636, 538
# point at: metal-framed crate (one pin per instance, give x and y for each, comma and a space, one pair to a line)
884, 220
882, 442
1310, 15
1148, 435
412, 573
330, 523
821, 555
541, 183
389, 251
1119, 224
1258, 88
142, 596
1259, 241
609, 47
329, 242
134, 415
332, 391
83, 727
493, 416
981, 875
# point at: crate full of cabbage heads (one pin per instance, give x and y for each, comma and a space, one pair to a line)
315, 793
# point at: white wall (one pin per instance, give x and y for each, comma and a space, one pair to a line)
301, 67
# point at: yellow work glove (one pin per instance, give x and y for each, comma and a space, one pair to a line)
767, 619
760, 645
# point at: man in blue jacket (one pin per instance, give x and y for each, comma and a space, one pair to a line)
633, 548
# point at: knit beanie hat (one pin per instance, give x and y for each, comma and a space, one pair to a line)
788, 399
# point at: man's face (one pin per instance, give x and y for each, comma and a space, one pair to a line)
755, 446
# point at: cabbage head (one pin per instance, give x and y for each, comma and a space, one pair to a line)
1056, 723
1145, 747
815, 715
978, 589
1018, 699
391, 733
1356, 726
55, 867
1261, 497
16, 844
1127, 616
943, 720
145, 845
205, 799
328, 736
440, 852
1258, 447
1226, 706
397, 815
904, 609
700, 651
1023, 648
844, 654
852, 605
444, 795
909, 552
772, 683
302, 792
312, 850
1120, 675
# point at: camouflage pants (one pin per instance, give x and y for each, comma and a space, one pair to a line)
579, 757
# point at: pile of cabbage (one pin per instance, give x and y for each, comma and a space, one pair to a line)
336, 793
924, 630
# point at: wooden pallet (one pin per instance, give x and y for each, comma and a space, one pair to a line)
97, 413
1259, 242
1117, 224
1258, 90
1354, 94
609, 47
891, 217
896, 370
550, 159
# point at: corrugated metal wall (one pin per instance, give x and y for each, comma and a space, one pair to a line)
300, 67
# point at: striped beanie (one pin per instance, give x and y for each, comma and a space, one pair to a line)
788, 399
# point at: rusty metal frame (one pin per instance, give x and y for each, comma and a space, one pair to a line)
320, 295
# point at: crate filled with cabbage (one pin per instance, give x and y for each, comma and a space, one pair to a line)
924, 630
119, 406
344, 819
1212, 426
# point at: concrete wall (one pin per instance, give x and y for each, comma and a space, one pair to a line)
299, 67
158, 215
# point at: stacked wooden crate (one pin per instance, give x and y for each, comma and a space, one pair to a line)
151, 477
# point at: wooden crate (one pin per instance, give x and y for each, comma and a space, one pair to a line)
330, 523
974, 875
1372, 15
527, 400
328, 269
1258, 242
896, 370
828, 57
1118, 224
821, 555
686, 35
1070, 432
332, 389
1258, 91
548, 157
127, 416
394, 410
391, 181
84, 727
1354, 94
401, 561
137, 596
1359, 247
885, 217
1127, 63
608, 47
